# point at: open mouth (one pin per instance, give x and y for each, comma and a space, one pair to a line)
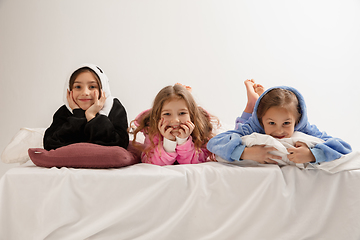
173, 127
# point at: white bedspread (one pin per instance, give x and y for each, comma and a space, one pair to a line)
200, 201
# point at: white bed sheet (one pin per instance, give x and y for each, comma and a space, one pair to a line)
199, 201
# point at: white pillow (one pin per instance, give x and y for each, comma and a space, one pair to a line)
17, 150
280, 144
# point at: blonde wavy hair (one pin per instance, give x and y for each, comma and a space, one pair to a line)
148, 122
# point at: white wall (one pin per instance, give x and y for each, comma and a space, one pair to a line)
213, 46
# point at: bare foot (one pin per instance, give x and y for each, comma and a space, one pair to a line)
259, 89
253, 91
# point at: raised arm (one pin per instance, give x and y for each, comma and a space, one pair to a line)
187, 154
65, 129
111, 130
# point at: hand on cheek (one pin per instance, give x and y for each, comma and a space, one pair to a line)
70, 99
98, 104
165, 132
186, 129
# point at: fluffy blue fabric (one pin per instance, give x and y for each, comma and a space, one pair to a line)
228, 145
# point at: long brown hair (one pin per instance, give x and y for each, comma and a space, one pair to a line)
279, 97
148, 122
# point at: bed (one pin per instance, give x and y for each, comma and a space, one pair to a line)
213, 200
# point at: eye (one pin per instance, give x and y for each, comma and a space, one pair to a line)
93, 87
287, 123
182, 113
166, 114
77, 87
271, 123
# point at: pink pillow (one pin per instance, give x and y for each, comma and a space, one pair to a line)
85, 155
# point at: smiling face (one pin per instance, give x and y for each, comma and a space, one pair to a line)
84, 88
279, 122
175, 112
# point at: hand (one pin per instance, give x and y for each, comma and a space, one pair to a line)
166, 132
70, 99
300, 154
260, 153
91, 112
186, 129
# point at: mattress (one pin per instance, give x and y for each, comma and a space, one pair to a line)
211, 200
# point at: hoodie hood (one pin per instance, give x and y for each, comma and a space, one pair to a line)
104, 84
301, 126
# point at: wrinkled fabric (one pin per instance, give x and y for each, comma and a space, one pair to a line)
193, 201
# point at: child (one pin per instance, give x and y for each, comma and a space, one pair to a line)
90, 113
175, 129
278, 112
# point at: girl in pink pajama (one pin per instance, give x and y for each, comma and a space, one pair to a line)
176, 129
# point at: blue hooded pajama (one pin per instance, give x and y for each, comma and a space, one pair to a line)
228, 145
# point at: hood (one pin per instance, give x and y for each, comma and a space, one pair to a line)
105, 87
301, 126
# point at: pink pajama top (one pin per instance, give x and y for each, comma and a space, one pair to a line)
184, 153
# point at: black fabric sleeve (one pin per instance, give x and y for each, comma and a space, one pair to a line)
111, 130
65, 129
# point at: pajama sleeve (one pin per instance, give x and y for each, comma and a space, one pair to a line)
111, 130
68, 128
187, 154
331, 149
65, 129
157, 155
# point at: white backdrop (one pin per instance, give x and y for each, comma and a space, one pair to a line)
213, 46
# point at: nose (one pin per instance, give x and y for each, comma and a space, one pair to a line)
175, 120
86, 91
279, 130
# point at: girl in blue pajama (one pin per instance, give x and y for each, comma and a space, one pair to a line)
278, 112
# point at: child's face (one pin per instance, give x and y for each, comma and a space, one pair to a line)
279, 122
175, 112
84, 88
